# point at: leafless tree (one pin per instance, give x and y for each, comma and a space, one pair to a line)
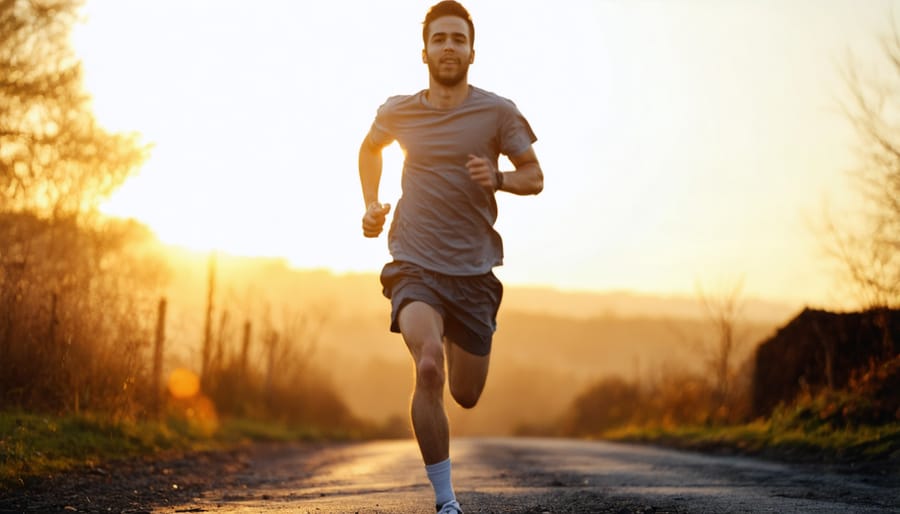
723, 308
869, 252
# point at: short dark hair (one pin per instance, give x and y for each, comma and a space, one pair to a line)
448, 8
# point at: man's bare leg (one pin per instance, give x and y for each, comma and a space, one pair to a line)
422, 328
468, 373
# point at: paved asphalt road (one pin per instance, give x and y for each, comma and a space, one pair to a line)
535, 476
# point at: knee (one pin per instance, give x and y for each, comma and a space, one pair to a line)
430, 371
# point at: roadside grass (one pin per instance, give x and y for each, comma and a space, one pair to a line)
773, 439
858, 426
35, 445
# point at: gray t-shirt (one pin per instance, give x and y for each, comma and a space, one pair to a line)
444, 221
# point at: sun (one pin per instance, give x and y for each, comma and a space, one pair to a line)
254, 161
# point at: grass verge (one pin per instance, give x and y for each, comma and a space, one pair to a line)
857, 446
34, 445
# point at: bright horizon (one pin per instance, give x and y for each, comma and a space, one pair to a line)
682, 141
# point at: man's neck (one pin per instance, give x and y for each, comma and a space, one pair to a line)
444, 97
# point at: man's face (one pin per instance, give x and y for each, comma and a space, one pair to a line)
448, 51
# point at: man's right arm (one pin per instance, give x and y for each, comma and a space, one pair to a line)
370, 165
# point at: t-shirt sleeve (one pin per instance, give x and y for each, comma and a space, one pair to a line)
380, 133
515, 134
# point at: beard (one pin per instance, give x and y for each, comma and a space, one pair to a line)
434, 68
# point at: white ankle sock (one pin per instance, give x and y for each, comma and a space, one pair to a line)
439, 475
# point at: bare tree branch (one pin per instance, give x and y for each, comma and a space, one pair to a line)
869, 255
724, 310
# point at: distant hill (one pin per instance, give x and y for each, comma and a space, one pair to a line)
539, 363
587, 304
353, 294
549, 346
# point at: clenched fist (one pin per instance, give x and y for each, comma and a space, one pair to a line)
373, 220
483, 172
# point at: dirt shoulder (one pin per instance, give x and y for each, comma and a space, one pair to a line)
138, 485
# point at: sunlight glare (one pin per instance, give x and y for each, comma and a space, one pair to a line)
256, 127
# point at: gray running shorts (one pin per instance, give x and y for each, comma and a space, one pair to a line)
468, 304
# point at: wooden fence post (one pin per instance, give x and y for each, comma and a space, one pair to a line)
207, 335
220, 358
158, 357
54, 320
270, 368
245, 347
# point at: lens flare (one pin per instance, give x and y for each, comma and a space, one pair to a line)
183, 383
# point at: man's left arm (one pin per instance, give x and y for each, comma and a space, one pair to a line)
526, 179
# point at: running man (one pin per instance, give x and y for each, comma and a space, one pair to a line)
444, 295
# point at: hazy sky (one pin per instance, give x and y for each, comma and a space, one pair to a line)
682, 141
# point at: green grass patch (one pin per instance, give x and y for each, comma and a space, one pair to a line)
819, 443
831, 427
34, 445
